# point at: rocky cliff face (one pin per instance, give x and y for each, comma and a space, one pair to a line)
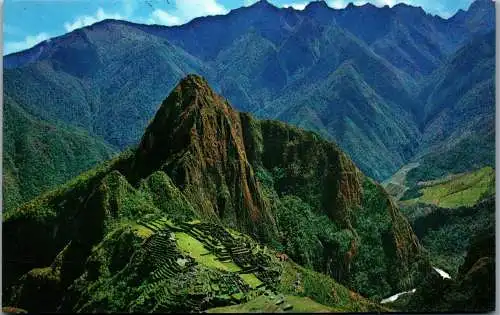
197, 138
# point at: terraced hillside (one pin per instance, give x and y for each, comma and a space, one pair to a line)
205, 213
156, 265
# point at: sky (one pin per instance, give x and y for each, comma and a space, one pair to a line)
28, 22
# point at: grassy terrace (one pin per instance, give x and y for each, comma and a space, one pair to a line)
455, 191
187, 238
195, 249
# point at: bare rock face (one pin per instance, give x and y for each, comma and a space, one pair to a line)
197, 138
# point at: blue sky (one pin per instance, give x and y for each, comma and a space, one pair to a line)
28, 22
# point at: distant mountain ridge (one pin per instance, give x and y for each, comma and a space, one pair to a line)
357, 83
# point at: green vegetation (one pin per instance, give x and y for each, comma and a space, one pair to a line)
472, 289
446, 233
300, 281
447, 211
215, 208
251, 280
396, 184
196, 250
457, 190
469, 154
167, 197
38, 156
265, 304
356, 82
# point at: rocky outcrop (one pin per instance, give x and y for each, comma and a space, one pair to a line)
197, 138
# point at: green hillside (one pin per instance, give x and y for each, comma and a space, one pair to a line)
38, 156
268, 304
459, 134
446, 212
472, 289
212, 209
446, 233
454, 191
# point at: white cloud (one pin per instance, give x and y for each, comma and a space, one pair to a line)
386, 2
296, 6
129, 7
162, 17
186, 10
28, 42
337, 4
195, 8
85, 20
445, 14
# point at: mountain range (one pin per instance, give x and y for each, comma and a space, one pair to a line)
253, 185
380, 82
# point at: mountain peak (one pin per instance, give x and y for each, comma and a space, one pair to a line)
408, 9
368, 5
191, 94
198, 139
193, 82
317, 4
193, 90
262, 4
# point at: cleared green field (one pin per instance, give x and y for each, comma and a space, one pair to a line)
251, 280
195, 249
459, 190
142, 231
267, 304
395, 185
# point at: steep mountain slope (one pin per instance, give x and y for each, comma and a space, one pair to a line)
473, 290
201, 166
459, 133
406, 36
413, 40
91, 73
446, 232
361, 120
37, 156
478, 19
91, 77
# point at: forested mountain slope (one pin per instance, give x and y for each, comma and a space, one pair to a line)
202, 175
38, 156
